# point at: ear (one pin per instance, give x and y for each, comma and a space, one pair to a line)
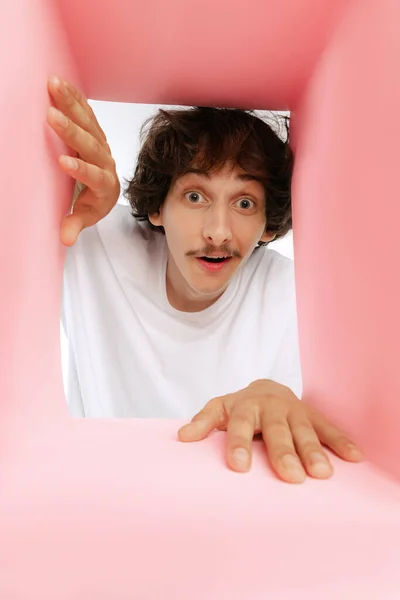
267, 237
156, 219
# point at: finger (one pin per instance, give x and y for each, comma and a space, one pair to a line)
280, 447
71, 227
209, 418
335, 439
308, 446
100, 181
72, 103
81, 100
240, 433
86, 213
88, 147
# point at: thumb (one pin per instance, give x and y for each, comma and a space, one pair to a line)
84, 214
71, 227
211, 417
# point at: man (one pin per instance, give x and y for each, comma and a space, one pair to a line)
173, 303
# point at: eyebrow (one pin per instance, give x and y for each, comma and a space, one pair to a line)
239, 177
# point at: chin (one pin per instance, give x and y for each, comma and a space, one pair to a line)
209, 289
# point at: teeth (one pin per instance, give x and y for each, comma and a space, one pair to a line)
214, 259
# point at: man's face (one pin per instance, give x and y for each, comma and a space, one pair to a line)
212, 225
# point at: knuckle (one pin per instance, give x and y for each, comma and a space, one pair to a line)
276, 426
313, 414
102, 176
68, 104
305, 430
216, 400
280, 453
309, 448
199, 417
94, 145
90, 111
212, 408
84, 117
240, 441
342, 440
242, 421
71, 131
217, 403
219, 412
82, 167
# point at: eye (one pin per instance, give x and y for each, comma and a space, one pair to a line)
245, 203
194, 197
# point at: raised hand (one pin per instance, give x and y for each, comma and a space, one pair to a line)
73, 120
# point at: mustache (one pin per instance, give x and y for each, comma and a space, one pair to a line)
209, 249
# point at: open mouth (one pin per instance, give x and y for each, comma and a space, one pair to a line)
213, 259
213, 263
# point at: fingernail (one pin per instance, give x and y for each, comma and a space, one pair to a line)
355, 452
319, 466
294, 468
70, 163
64, 88
241, 458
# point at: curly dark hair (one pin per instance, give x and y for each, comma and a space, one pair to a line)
207, 138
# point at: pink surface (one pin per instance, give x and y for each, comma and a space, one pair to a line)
205, 52
121, 510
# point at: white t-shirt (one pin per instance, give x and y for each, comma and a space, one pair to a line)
131, 354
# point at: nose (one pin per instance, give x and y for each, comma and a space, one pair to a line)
217, 228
